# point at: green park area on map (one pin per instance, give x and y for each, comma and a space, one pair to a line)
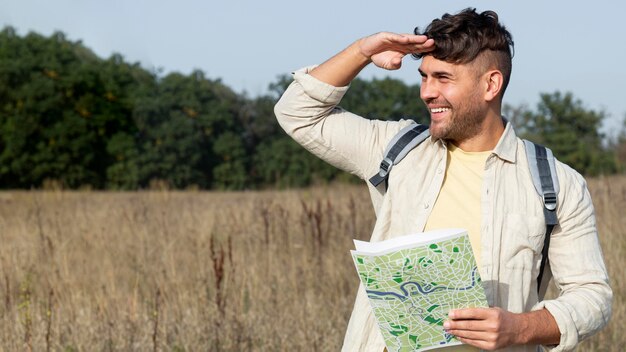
414, 281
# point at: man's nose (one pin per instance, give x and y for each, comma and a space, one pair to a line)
427, 91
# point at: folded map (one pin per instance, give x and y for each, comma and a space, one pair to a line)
413, 281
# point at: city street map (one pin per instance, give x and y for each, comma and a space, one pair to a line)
413, 281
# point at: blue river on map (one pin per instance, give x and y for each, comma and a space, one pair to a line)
424, 290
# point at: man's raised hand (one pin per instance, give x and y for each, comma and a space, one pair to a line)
386, 49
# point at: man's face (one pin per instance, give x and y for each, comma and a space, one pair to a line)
451, 93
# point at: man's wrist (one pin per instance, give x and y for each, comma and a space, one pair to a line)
538, 328
342, 68
524, 336
355, 50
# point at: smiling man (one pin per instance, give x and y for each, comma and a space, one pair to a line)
471, 173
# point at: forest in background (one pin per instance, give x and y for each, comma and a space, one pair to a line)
70, 119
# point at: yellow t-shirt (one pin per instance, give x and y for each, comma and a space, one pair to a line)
459, 202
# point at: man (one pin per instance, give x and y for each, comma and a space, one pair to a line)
472, 173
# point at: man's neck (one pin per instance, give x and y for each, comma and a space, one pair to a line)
489, 134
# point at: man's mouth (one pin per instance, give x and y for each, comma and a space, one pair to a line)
438, 110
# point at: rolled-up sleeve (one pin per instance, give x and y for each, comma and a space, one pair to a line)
308, 112
577, 264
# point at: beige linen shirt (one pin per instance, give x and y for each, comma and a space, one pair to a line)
512, 225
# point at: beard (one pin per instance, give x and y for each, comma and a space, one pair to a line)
465, 121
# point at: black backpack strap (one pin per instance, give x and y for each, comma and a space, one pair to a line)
401, 144
542, 169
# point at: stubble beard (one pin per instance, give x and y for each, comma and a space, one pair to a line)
464, 123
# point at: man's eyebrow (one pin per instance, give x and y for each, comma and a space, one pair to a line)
436, 74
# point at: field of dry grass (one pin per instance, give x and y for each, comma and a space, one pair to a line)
194, 271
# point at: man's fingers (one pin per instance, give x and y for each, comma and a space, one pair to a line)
409, 48
474, 335
471, 313
405, 39
471, 332
485, 345
416, 46
428, 44
472, 319
468, 325
417, 39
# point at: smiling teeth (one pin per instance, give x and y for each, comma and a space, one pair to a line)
439, 110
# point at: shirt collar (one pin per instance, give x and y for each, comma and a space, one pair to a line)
506, 148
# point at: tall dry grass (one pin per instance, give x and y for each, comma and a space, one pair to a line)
194, 271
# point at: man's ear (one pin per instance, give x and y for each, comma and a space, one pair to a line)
494, 81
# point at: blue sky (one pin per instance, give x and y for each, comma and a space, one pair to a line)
576, 46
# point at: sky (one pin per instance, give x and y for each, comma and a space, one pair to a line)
570, 46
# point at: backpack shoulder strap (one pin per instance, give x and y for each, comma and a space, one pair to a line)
401, 144
543, 171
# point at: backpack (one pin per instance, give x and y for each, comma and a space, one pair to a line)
540, 161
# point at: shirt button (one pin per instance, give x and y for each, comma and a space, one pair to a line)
439, 171
426, 205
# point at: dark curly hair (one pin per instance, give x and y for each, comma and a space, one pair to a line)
461, 38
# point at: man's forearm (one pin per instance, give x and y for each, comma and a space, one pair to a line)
342, 68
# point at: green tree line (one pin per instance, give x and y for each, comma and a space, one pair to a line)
70, 117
